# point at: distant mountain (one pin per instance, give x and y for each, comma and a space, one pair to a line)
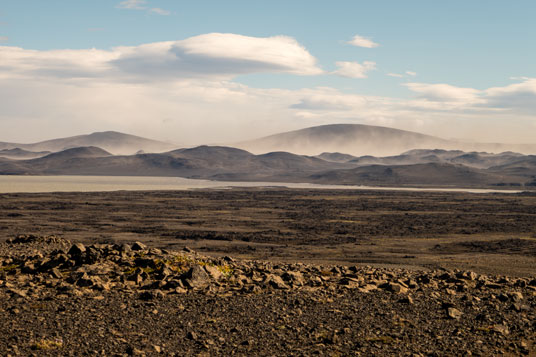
209, 162
481, 160
79, 152
353, 139
359, 140
20, 154
429, 168
430, 174
112, 141
525, 165
336, 157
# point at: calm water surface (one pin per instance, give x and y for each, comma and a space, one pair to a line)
10, 184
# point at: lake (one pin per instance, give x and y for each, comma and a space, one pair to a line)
11, 184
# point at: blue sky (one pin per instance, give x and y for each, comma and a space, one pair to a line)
470, 64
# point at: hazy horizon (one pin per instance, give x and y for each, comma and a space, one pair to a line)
219, 73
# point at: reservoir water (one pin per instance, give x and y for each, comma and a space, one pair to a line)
11, 184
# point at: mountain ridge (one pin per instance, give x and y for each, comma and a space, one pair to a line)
112, 141
230, 164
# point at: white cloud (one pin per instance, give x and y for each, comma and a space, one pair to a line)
183, 91
159, 11
132, 4
141, 5
444, 92
406, 74
195, 111
360, 41
354, 69
215, 55
518, 96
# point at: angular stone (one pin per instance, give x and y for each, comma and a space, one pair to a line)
276, 282
76, 250
502, 329
394, 288
18, 292
155, 251
213, 272
152, 294
502, 297
454, 313
367, 288
84, 280
197, 277
55, 273
294, 277
138, 246
349, 283
191, 335
145, 262
406, 300
28, 268
516, 296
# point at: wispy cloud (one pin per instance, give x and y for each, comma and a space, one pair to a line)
354, 69
141, 5
132, 4
445, 92
399, 75
159, 11
361, 41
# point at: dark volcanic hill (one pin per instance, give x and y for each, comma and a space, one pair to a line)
430, 174
80, 152
209, 162
336, 157
112, 141
480, 160
439, 168
21, 154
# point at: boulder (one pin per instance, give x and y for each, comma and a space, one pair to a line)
197, 277
137, 246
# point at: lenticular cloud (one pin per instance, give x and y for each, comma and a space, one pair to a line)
215, 55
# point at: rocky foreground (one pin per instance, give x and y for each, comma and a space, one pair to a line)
59, 298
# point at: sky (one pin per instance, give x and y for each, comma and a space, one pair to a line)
203, 72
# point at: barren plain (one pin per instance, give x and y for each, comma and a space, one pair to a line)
301, 272
488, 233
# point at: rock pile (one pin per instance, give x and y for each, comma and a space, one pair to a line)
502, 309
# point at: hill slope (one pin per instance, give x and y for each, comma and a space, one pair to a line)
112, 141
353, 139
209, 162
21, 154
430, 174
359, 139
432, 168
